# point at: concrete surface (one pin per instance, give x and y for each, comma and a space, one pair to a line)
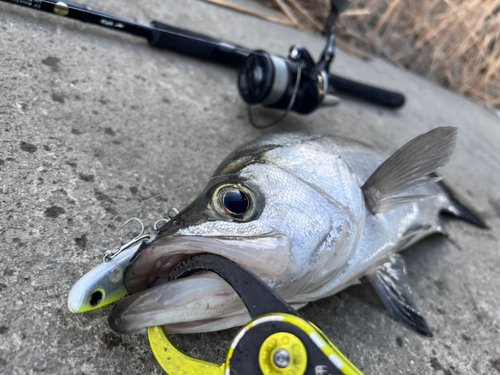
94, 123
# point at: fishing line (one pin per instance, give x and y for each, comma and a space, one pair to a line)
142, 203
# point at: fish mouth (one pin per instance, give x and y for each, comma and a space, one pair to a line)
263, 255
199, 303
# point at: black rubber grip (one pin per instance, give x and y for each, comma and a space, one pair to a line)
385, 98
196, 45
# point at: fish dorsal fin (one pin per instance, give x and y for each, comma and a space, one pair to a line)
407, 168
391, 284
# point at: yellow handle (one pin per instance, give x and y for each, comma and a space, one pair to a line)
338, 358
173, 361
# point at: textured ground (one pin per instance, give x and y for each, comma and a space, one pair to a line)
93, 124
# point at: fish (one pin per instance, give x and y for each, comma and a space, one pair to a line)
309, 214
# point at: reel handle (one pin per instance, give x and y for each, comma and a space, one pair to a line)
371, 94
336, 7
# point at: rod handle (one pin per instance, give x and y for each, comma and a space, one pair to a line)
196, 45
375, 95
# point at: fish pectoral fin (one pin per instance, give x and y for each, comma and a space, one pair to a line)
407, 168
391, 203
391, 284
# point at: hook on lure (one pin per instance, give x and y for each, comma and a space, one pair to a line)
171, 213
110, 254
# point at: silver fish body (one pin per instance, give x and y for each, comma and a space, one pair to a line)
309, 232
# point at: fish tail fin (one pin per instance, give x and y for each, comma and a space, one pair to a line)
409, 167
460, 210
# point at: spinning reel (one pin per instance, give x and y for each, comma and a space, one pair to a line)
299, 84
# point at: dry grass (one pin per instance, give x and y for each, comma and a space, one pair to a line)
453, 42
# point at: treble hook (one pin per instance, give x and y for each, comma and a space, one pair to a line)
139, 221
171, 214
109, 255
159, 221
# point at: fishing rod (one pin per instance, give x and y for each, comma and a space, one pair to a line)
295, 83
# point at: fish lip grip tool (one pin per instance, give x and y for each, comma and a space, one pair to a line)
278, 341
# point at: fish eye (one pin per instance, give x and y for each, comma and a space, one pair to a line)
234, 200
